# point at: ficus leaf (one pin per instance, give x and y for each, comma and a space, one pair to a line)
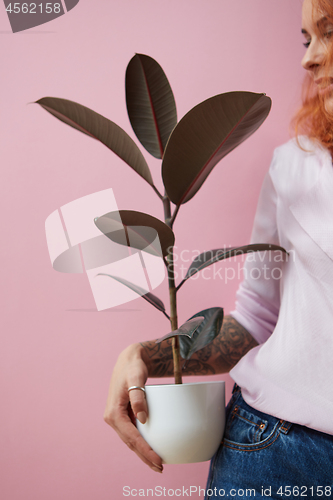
137, 230
206, 134
204, 334
97, 126
209, 257
187, 329
149, 297
150, 103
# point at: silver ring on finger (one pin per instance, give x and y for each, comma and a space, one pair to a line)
136, 387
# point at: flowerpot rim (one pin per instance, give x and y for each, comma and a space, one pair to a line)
186, 384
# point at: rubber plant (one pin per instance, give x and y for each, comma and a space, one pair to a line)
189, 150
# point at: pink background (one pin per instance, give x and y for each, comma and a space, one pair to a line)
57, 351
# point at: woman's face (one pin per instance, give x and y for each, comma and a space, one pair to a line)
318, 30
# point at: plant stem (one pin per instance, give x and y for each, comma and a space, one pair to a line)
167, 209
174, 321
157, 192
174, 215
173, 298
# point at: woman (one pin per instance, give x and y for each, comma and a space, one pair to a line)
278, 343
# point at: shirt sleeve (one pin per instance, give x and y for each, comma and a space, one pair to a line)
258, 297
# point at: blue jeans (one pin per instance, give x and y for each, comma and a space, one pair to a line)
264, 457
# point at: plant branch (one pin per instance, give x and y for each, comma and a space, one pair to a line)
157, 192
167, 209
174, 215
180, 284
166, 315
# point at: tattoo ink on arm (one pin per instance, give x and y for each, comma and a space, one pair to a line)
232, 343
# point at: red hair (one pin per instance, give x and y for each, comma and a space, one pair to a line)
312, 118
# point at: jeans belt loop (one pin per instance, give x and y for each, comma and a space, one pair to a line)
285, 426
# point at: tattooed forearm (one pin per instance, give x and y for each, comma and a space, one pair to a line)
219, 356
233, 342
158, 358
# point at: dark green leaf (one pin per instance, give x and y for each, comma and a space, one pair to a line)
208, 258
204, 334
187, 329
137, 230
150, 103
206, 134
100, 128
149, 297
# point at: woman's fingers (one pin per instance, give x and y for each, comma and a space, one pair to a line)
119, 419
138, 402
131, 436
130, 371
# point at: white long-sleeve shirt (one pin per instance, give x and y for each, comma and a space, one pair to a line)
288, 306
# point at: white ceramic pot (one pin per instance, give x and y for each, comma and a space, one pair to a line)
186, 421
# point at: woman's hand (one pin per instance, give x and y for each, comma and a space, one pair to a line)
122, 406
